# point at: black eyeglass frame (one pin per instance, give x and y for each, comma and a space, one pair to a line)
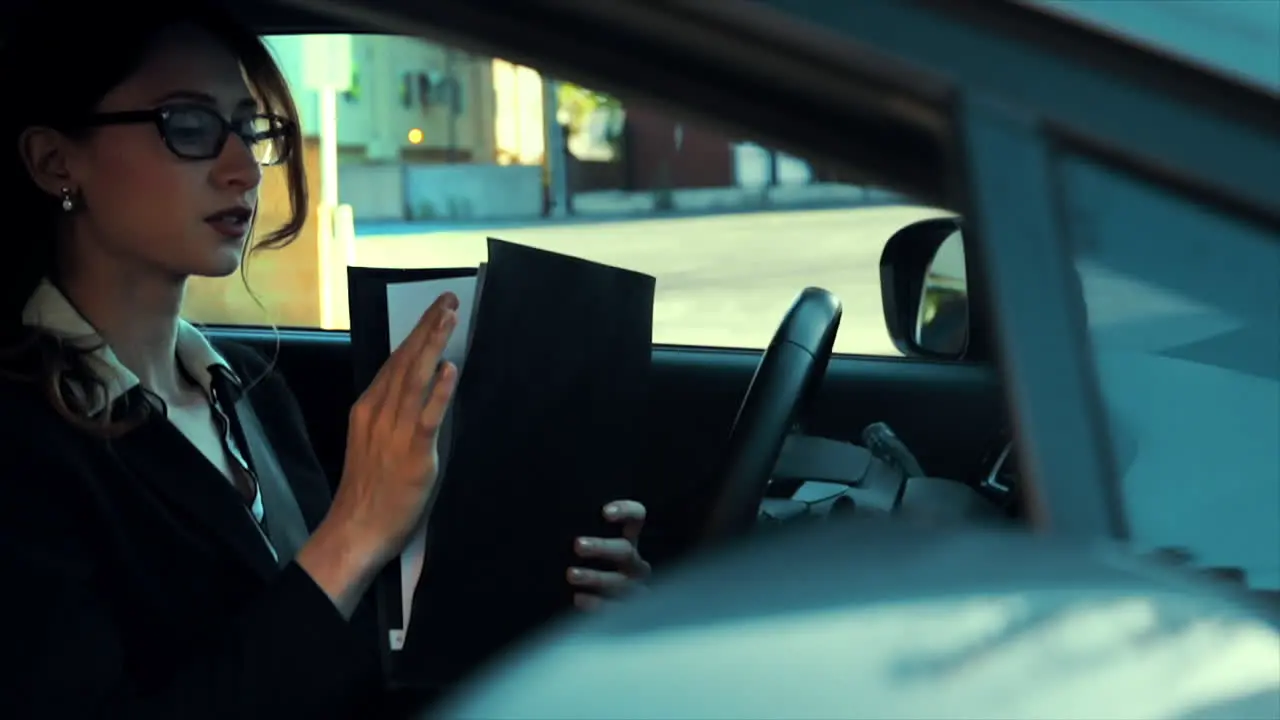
281, 132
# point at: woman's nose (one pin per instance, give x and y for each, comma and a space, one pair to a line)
237, 167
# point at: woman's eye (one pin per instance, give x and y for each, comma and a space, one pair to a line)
189, 124
187, 131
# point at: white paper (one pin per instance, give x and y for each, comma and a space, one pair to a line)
405, 304
407, 301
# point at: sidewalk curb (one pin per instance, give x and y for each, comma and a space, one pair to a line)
374, 228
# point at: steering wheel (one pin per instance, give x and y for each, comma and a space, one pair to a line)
786, 380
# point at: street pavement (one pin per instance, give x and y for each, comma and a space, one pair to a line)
722, 280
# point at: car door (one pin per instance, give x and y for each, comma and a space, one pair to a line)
732, 231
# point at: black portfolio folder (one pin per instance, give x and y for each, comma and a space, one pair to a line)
545, 428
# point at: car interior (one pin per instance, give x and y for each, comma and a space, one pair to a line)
947, 408
741, 441
710, 454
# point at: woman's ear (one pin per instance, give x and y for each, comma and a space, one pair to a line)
45, 153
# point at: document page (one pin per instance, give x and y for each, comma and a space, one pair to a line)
405, 304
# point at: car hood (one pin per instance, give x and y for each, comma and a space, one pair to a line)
845, 621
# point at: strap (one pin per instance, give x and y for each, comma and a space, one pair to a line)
286, 528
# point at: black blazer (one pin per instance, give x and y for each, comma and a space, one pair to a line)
135, 585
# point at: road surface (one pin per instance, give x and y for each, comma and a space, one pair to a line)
723, 280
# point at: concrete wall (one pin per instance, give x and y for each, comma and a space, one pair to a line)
404, 191
730, 198
751, 167
473, 192
377, 192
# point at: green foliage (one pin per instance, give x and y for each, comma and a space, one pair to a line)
579, 103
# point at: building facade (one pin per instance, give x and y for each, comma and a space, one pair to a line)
408, 100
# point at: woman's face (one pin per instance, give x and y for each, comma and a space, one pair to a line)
140, 203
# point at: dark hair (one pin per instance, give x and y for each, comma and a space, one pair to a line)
58, 62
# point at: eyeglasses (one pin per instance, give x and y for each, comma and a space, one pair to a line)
198, 132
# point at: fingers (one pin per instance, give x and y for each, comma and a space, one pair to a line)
415, 378
599, 582
596, 586
400, 368
427, 363
614, 550
597, 589
619, 552
631, 514
438, 401
422, 333
410, 346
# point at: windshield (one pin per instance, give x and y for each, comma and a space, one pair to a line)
1240, 38
1184, 313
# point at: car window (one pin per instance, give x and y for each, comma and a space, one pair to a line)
1240, 38
438, 148
1183, 305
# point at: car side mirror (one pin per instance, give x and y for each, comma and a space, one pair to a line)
924, 287
942, 318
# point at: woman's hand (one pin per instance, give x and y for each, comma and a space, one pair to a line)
391, 461
628, 568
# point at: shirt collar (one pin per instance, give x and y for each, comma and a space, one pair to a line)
49, 309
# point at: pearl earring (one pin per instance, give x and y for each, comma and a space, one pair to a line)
68, 204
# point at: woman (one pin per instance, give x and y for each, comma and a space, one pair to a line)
167, 539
